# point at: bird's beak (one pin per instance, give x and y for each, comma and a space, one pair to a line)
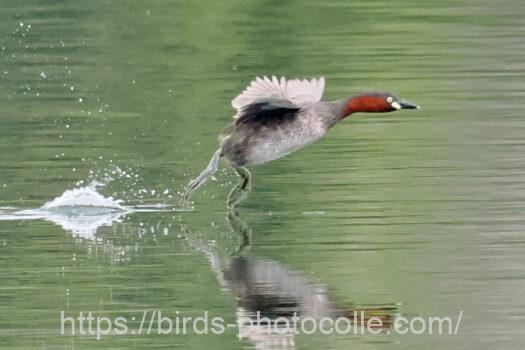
407, 105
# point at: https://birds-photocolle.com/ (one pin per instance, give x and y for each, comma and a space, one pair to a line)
276, 117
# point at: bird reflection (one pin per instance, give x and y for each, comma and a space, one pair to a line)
268, 294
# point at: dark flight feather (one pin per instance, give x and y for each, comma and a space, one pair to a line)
267, 113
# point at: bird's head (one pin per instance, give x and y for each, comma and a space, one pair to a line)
375, 102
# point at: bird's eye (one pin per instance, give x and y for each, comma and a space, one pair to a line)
389, 99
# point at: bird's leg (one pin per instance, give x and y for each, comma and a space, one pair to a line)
204, 175
242, 189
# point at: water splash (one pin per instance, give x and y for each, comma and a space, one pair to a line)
84, 197
81, 211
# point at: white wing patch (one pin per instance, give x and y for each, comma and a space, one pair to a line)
305, 91
296, 91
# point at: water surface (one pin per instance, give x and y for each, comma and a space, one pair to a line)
414, 213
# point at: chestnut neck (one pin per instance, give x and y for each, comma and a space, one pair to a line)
362, 104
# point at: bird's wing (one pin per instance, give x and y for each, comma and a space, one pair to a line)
297, 91
267, 112
305, 91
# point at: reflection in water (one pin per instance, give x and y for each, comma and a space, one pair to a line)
269, 293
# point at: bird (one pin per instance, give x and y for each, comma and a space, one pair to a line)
275, 117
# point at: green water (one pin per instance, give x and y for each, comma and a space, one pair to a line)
416, 213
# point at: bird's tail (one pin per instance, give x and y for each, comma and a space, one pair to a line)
204, 175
